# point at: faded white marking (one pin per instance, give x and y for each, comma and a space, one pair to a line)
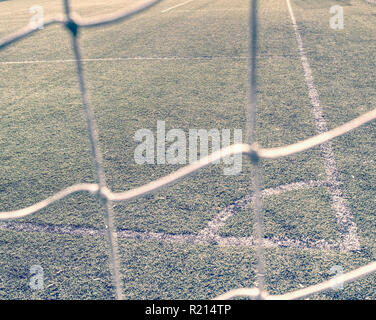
207, 236
125, 59
345, 222
172, 58
302, 243
222, 217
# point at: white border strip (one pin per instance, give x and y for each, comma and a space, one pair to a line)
189, 238
130, 59
345, 220
219, 221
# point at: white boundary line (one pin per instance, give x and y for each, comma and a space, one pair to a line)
345, 222
219, 221
178, 5
209, 235
214, 10
172, 58
303, 243
125, 59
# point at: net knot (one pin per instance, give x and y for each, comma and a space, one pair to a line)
72, 26
254, 153
103, 193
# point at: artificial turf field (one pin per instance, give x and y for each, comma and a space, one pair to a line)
186, 66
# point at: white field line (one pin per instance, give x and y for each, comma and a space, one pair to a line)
178, 5
219, 221
30, 227
344, 217
201, 238
126, 59
172, 58
213, 10
302, 243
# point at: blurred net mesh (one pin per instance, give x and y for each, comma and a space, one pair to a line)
256, 153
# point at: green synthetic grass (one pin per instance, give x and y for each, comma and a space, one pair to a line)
73, 268
44, 145
294, 214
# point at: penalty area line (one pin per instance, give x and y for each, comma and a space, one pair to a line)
125, 59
